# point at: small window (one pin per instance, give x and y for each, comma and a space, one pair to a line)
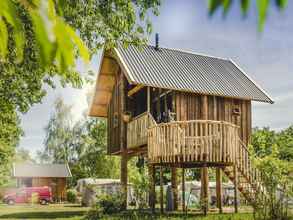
115, 123
236, 111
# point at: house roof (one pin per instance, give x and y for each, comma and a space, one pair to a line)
41, 170
172, 69
186, 71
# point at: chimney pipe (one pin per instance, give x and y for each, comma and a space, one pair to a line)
157, 41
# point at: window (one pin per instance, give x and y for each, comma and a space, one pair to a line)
115, 122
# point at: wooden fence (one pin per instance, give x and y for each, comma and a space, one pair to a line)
193, 141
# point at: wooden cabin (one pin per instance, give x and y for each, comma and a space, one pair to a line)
51, 175
178, 109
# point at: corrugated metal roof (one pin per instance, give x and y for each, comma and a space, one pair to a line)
41, 170
185, 71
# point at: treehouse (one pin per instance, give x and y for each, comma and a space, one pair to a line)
181, 110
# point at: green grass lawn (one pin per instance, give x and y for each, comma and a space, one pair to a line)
75, 212
52, 211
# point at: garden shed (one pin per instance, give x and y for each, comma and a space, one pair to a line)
52, 175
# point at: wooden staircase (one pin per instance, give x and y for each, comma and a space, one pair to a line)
244, 175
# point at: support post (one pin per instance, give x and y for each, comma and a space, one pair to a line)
204, 169
174, 185
161, 190
205, 189
152, 189
219, 189
183, 189
148, 99
123, 179
235, 188
123, 147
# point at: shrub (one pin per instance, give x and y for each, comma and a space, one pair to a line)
273, 204
71, 195
110, 204
106, 204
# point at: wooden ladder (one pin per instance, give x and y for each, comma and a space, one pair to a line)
246, 177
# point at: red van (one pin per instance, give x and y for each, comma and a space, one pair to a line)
24, 195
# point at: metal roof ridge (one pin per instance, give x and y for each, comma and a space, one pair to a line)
190, 52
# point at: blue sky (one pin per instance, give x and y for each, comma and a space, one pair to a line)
266, 57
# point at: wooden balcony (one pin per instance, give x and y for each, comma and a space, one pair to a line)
137, 130
193, 141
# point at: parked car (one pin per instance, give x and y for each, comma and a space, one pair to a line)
27, 194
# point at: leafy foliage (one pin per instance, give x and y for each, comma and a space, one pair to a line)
55, 39
22, 156
262, 7
278, 182
9, 137
71, 195
82, 145
139, 177
40, 43
111, 21
264, 139
106, 205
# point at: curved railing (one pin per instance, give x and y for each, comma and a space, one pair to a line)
193, 141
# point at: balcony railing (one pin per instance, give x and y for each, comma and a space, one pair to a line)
137, 130
193, 141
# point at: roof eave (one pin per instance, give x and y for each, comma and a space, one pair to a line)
270, 100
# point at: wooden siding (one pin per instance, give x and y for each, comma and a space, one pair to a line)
116, 125
189, 106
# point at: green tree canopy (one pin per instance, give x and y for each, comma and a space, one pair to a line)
40, 41
81, 144
262, 8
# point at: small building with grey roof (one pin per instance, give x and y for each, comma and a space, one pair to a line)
52, 175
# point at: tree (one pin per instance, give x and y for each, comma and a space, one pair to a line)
23, 156
285, 143
262, 141
262, 7
39, 46
81, 144
272, 201
59, 137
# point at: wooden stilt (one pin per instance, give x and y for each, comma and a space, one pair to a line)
174, 185
219, 189
183, 189
205, 189
235, 189
152, 189
161, 190
204, 169
123, 179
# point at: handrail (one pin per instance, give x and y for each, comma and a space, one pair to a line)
190, 141
137, 130
192, 121
139, 116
